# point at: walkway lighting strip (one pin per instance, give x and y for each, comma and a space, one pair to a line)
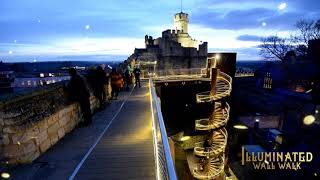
166, 147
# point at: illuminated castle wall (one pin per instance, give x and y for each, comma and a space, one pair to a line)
175, 48
181, 21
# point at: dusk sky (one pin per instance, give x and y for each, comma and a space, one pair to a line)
38, 29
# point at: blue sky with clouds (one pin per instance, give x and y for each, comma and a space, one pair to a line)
34, 28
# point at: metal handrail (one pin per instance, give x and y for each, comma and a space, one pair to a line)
165, 168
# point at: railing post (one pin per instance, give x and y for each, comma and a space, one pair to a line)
165, 168
214, 76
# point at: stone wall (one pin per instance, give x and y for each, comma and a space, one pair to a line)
30, 124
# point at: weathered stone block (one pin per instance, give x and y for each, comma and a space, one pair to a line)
28, 158
54, 139
69, 127
12, 150
64, 120
11, 161
45, 145
29, 147
74, 107
62, 112
53, 129
43, 124
42, 136
9, 129
4, 139
54, 118
61, 132
1, 121
30, 133
68, 109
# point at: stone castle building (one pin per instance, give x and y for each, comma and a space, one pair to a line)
175, 49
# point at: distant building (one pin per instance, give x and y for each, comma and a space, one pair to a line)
6, 78
314, 51
26, 82
175, 49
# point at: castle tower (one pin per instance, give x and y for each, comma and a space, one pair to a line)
181, 21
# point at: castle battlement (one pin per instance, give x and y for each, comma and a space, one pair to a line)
171, 33
181, 15
181, 21
175, 48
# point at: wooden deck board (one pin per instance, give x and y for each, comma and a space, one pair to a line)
126, 149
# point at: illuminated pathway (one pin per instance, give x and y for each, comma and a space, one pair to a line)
125, 151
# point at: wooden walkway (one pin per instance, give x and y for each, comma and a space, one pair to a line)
125, 151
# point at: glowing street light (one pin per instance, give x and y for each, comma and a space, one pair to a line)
5, 175
217, 56
184, 138
264, 24
282, 6
240, 126
309, 119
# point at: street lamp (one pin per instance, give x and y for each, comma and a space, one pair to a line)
5, 175
309, 119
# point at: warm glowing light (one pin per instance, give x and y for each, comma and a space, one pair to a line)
87, 27
239, 126
184, 138
279, 139
10, 52
309, 119
316, 111
282, 6
217, 56
5, 175
264, 24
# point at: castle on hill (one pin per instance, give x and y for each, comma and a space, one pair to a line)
175, 49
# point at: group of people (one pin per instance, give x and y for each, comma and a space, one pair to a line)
121, 81
99, 80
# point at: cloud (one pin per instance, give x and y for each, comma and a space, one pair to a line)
247, 37
249, 18
115, 26
247, 14
246, 53
77, 46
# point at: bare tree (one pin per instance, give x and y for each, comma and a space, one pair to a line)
307, 30
275, 48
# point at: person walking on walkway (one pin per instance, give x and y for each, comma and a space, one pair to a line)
101, 82
127, 77
116, 83
79, 93
137, 73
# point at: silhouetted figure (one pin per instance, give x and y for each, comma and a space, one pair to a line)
116, 83
137, 73
101, 82
97, 79
127, 77
79, 93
